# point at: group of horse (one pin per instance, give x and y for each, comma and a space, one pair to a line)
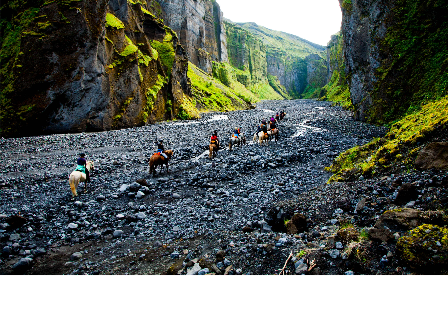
159, 160
263, 138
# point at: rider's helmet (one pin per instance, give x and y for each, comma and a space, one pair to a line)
82, 154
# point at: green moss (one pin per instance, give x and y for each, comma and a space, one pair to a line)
425, 247
130, 48
165, 51
416, 69
399, 147
151, 96
113, 22
212, 95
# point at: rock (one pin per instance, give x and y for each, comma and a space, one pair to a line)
176, 196
226, 262
142, 182
72, 226
118, 233
339, 245
139, 195
6, 250
134, 186
334, 253
349, 273
124, 188
176, 228
141, 215
433, 156
204, 271
247, 229
16, 222
381, 234
101, 198
76, 256
194, 270
361, 204
220, 255
22, 265
175, 255
79, 204
406, 193
14, 237
301, 267
297, 224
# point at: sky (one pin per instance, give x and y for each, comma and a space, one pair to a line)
313, 20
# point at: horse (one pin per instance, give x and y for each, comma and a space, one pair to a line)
241, 140
274, 133
77, 176
263, 137
213, 150
159, 160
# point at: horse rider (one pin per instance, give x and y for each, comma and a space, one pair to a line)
214, 139
161, 148
277, 117
236, 132
264, 128
272, 119
81, 166
282, 115
273, 125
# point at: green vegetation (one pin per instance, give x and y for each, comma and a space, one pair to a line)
399, 147
425, 246
113, 22
165, 51
337, 89
416, 71
16, 19
151, 96
210, 94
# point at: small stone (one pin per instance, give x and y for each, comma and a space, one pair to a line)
140, 195
204, 271
334, 253
6, 250
124, 188
118, 233
121, 216
226, 262
175, 255
23, 264
194, 270
339, 245
76, 256
14, 237
349, 273
101, 198
79, 204
141, 215
176, 196
176, 228
72, 226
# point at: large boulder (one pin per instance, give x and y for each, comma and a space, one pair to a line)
434, 155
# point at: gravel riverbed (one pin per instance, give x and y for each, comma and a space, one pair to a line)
202, 217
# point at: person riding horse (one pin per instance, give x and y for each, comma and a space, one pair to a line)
277, 117
161, 148
236, 132
214, 139
81, 166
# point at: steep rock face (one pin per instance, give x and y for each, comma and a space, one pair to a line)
199, 25
95, 66
297, 63
364, 25
246, 53
395, 55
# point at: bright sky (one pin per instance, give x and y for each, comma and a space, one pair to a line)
313, 20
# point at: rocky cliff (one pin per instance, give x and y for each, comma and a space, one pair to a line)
199, 25
395, 55
71, 66
298, 64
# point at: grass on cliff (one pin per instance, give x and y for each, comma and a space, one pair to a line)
416, 69
212, 95
398, 148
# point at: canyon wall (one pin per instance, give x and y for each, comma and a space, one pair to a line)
199, 25
395, 56
75, 66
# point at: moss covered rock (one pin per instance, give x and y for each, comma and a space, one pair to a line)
425, 248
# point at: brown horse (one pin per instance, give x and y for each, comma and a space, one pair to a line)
159, 160
213, 148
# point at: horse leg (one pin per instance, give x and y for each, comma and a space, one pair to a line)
71, 182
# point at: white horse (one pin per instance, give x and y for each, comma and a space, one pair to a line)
241, 140
262, 137
77, 176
